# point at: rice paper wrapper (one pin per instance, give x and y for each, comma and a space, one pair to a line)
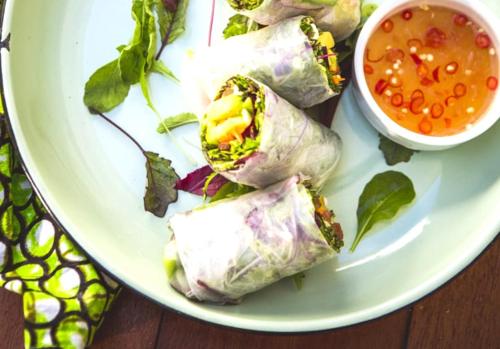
279, 56
291, 143
238, 246
341, 19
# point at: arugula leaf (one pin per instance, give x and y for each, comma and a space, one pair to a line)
105, 89
381, 200
393, 152
175, 121
162, 69
238, 25
160, 191
231, 190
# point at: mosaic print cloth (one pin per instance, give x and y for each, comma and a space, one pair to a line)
64, 296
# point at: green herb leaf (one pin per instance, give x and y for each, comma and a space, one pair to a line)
175, 121
162, 69
160, 191
238, 25
131, 63
105, 88
179, 21
147, 95
381, 200
394, 153
164, 18
231, 190
298, 280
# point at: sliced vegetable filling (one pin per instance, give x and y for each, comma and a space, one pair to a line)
323, 45
245, 4
325, 219
230, 128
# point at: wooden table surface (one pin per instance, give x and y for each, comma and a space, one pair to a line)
465, 313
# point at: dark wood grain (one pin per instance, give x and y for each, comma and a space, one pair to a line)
465, 313
11, 320
132, 323
179, 332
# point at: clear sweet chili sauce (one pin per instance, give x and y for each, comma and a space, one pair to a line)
432, 70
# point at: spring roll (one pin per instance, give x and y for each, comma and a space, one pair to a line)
292, 57
252, 136
340, 17
225, 250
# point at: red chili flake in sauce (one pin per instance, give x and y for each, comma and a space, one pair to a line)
492, 83
447, 122
418, 93
407, 15
416, 59
460, 20
380, 86
415, 43
437, 110
483, 40
368, 69
435, 37
451, 68
395, 54
435, 74
426, 81
397, 99
387, 25
425, 126
376, 60
417, 105
460, 90
450, 101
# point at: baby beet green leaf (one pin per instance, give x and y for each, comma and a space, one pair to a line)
179, 22
168, 124
381, 200
105, 88
161, 176
172, 25
160, 191
393, 152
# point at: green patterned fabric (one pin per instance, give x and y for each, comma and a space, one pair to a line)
64, 296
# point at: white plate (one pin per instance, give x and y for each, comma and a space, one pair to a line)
92, 178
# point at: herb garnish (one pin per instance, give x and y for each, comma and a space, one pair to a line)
239, 25
109, 85
231, 190
381, 200
175, 121
161, 176
393, 152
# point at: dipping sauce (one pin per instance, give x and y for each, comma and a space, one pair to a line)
432, 70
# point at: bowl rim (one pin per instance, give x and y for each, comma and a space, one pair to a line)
261, 326
475, 10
